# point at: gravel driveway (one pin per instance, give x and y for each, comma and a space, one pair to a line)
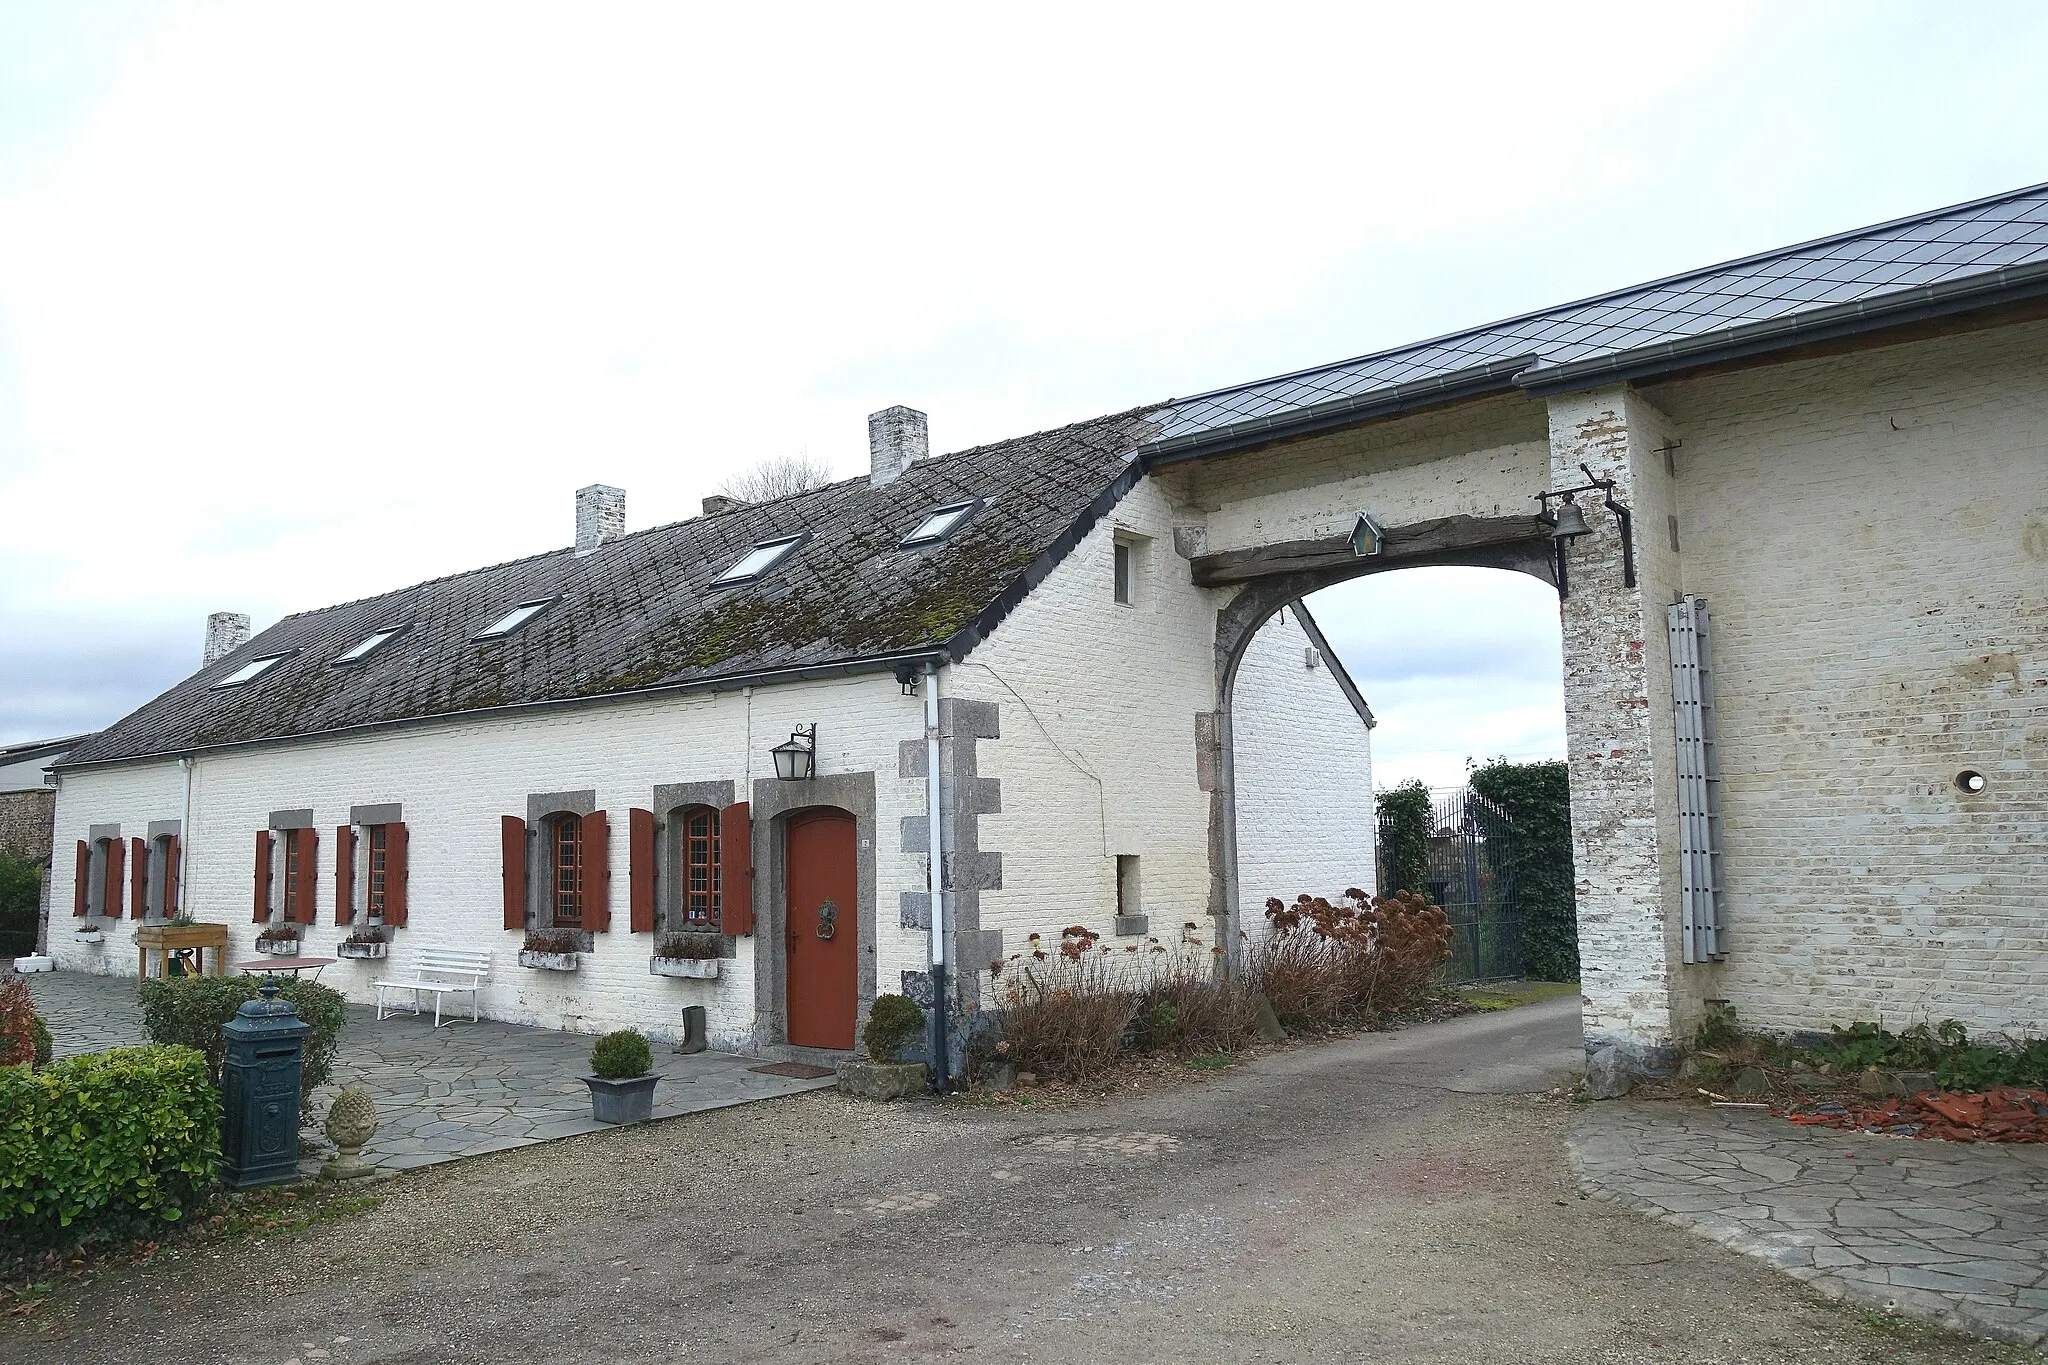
1396, 1197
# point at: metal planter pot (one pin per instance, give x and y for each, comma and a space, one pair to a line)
627, 1101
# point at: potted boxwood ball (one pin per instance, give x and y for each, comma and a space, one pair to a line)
622, 1078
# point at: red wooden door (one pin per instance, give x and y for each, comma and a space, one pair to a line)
821, 929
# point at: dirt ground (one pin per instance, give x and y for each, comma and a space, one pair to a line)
1392, 1197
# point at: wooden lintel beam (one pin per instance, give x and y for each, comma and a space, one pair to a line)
1418, 540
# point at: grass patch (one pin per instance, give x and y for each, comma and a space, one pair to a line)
1506, 995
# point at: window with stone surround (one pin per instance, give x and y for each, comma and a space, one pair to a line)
565, 871
701, 874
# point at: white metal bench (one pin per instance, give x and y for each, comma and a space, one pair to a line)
440, 970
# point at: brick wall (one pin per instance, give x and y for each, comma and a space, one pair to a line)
25, 823
455, 781
1871, 533
1304, 776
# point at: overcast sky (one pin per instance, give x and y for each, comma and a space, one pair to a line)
300, 303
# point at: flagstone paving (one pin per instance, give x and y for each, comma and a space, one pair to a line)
459, 1090
1955, 1233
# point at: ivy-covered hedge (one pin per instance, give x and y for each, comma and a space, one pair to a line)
189, 1010
1537, 799
104, 1148
1404, 824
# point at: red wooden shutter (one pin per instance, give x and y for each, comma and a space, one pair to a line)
597, 872
138, 879
262, 875
309, 855
115, 851
736, 868
344, 874
171, 871
640, 857
394, 873
512, 840
81, 886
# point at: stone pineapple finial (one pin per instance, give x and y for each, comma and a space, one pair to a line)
351, 1122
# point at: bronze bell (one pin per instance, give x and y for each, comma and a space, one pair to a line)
1569, 520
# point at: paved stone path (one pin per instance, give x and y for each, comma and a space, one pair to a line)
456, 1091
1955, 1233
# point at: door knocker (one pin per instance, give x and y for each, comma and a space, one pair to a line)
828, 920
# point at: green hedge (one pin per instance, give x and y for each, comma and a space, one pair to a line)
189, 1010
1404, 824
104, 1148
1537, 799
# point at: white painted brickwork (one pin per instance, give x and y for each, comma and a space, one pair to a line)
1097, 756
1304, 777
1871, 534
455, 780
1481, 460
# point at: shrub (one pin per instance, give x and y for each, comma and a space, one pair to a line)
1403, 817
1537, 800
894, 1021
17, 1024
1062, 1014
46, 1046
21, 887
1355, 960
189, 1010
621, 1055
1185, 1009
103, 1148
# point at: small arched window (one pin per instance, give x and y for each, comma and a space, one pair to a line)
700, 879
565, 844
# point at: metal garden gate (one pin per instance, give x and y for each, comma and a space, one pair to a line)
1469, 872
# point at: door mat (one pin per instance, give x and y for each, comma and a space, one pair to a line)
796, 1071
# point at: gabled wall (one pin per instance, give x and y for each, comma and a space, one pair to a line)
1871, 534
1304, 775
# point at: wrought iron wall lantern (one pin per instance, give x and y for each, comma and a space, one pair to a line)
796, 759
1568, 522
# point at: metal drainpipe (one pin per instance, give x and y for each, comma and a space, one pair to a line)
935, 877
187, 762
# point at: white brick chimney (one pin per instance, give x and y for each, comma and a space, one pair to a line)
600, 516
226, 632
896, 436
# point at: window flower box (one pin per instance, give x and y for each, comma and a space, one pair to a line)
358, 948
549, 962
278, 947
88, 933
691, 968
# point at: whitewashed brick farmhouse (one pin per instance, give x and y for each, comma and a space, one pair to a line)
580, 744
1803, 568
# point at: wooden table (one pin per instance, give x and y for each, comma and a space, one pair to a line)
294, 965
165, 939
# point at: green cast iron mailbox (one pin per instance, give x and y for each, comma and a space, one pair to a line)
259, 1140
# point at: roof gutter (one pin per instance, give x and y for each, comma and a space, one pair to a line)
2012, 285
724, 682
1496, 376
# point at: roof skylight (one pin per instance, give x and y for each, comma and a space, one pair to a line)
512, 620
251, 671
939, 524
370, 644
758, 562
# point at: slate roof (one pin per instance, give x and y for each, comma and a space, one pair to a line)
640, 612
2007, 232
